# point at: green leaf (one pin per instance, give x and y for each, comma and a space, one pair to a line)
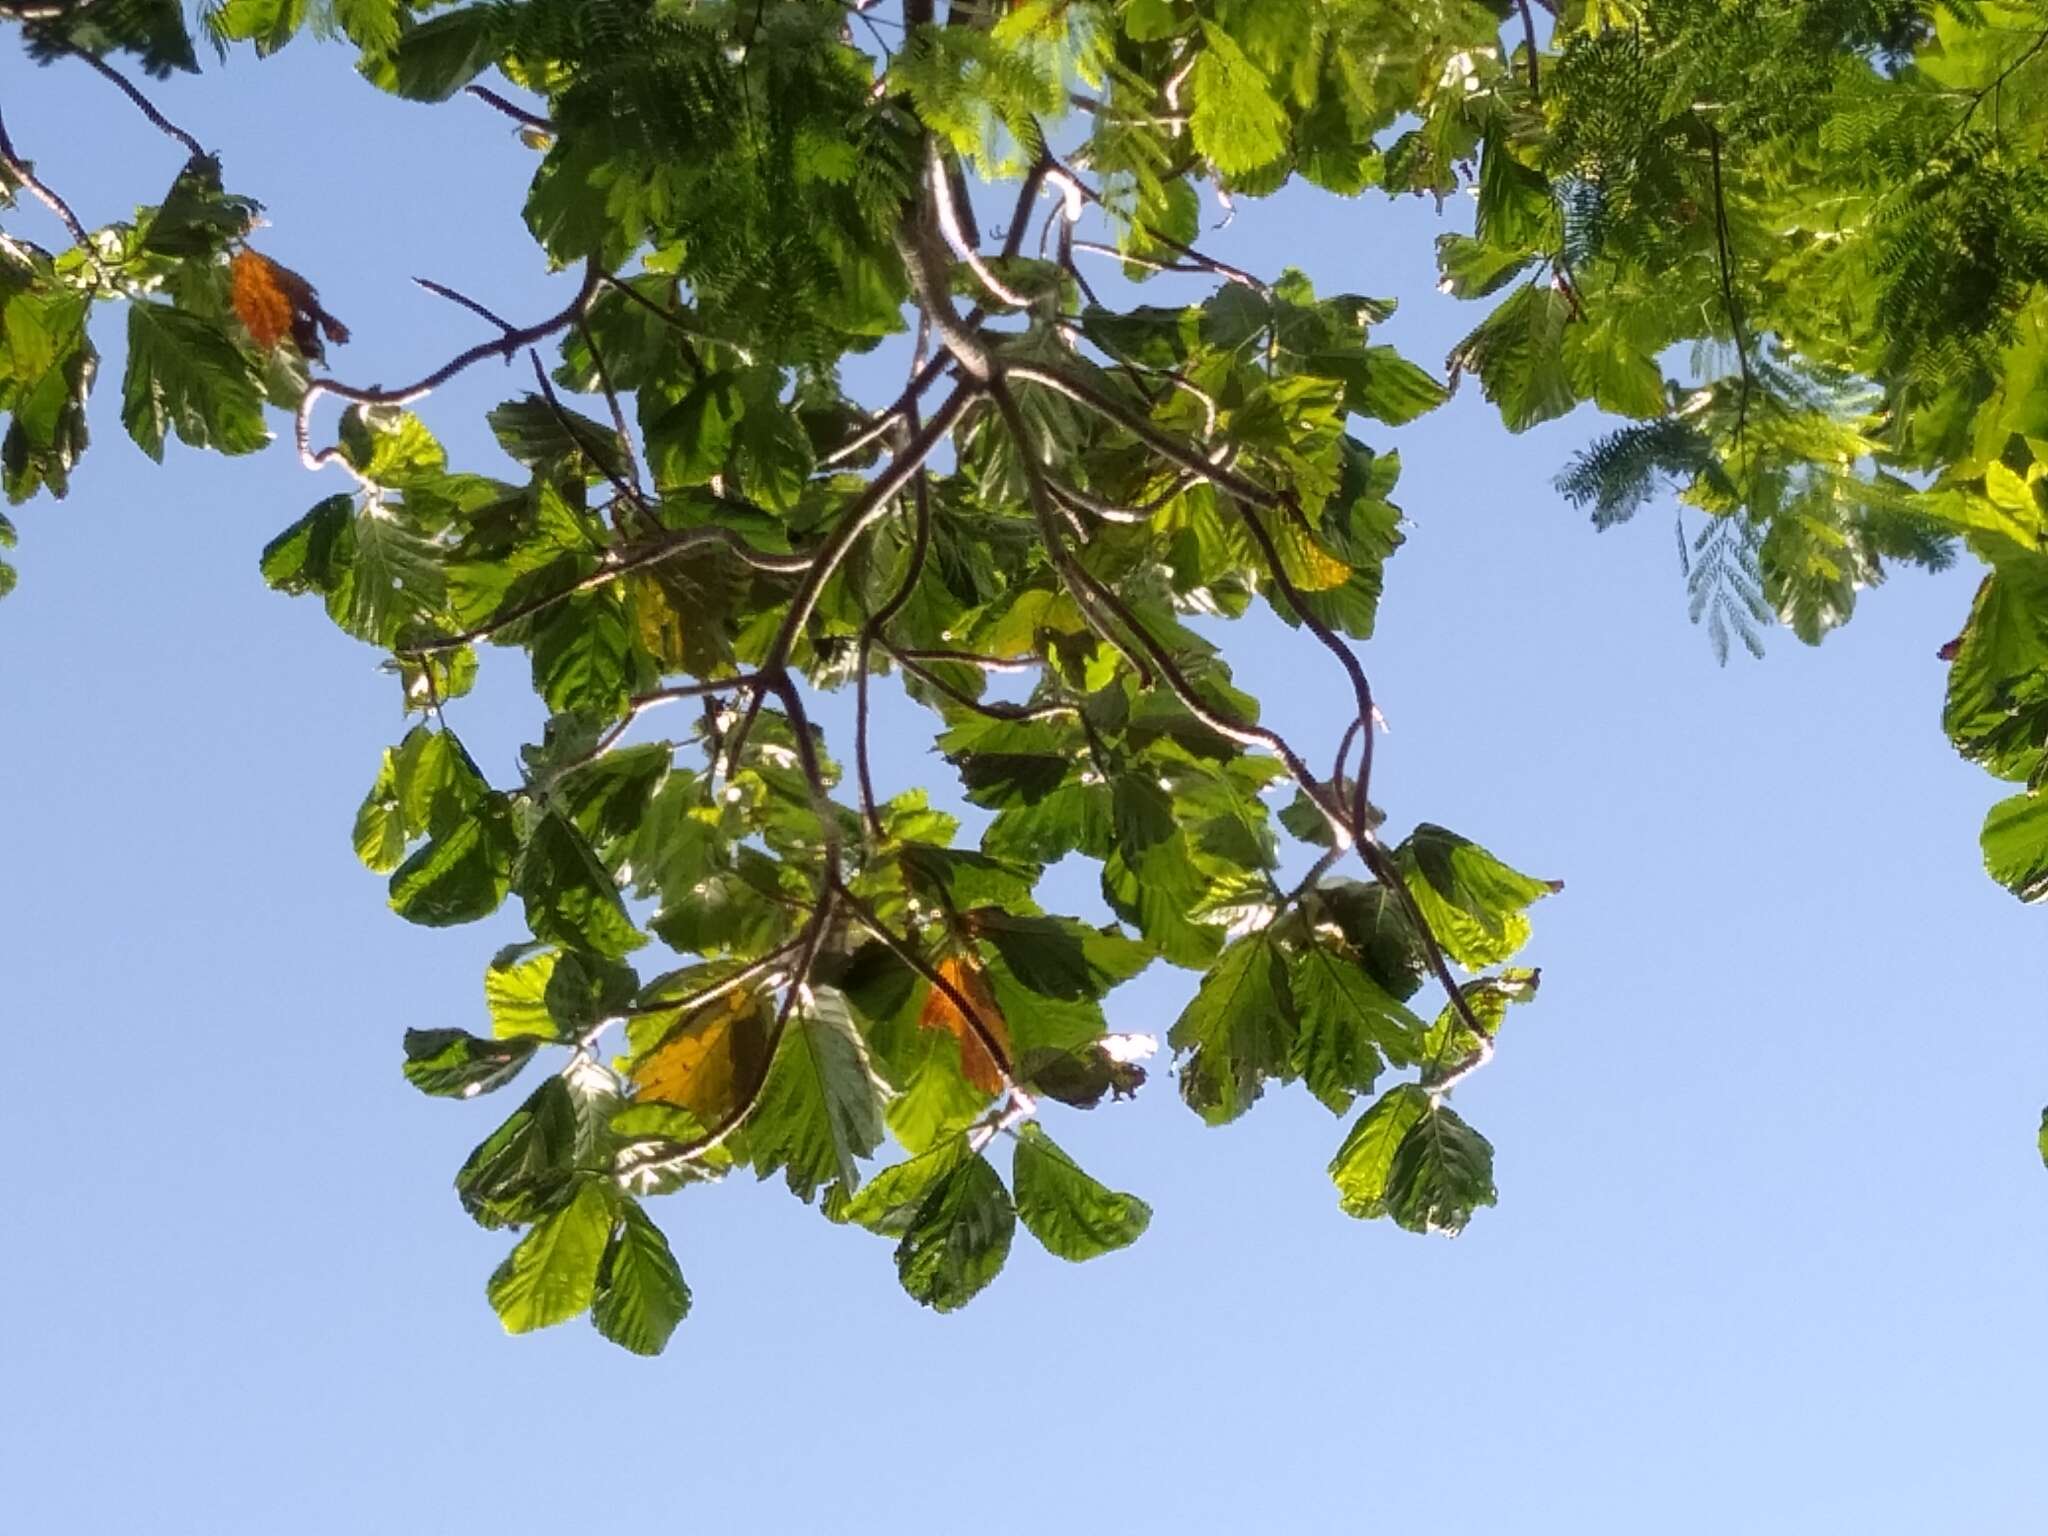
957, 1242
1238, 1031
687, 444
1473, 903
372, 25
2016, 845
1388, 387
1449, 1043
313, 553
821, 1107
1238, 126
452, 1064
890, 1201
552, 1275
1518, 354
1515, 211
1070, 1213
1347, 1022
1441, 1173
522, 1169
436, 783
570, 897
197, 219
460, 877
439, 57
1364, 1163
543, 437
380, 825
1472, 269
640, 1294
583, 655
770, 448
1061, 957
185, 376
516, 990
269, 24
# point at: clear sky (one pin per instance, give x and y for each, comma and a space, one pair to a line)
1773, 1234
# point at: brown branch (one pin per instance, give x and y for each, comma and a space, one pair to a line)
904, 951
629, 493
505, 346
1727, 261
920, 547
15, 166
620, 562
142, 103
1529, 33
970, 659
1361, 688
611, 397
456, 296
510, 108
690, 334
1166, 446
690, 1002
870, 505
997, 710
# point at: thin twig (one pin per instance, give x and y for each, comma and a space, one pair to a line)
611, 397
15, 166
903, 950
1529, 33
511, 109
620, 563
871, 504
920, 547
456, 296
142, 103
505, 346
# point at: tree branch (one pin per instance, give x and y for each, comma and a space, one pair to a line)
15, 166
510, 108
506, 346
142, 103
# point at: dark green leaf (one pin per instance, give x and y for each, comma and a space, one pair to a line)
570, 898
1074, 1216
522, 1169
640, 1294
453, 1064
1238, 1031
459, 877
185, 376
959, 1238
821, 1107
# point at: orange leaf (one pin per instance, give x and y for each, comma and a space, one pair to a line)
273, 302
941, 1012
260, 300
703, 1062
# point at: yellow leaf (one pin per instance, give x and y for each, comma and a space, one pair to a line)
1312, 568
941, 1012
707, 1060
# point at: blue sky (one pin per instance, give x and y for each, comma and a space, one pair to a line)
1772, 1235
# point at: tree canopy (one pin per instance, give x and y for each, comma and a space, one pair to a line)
1797, 249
